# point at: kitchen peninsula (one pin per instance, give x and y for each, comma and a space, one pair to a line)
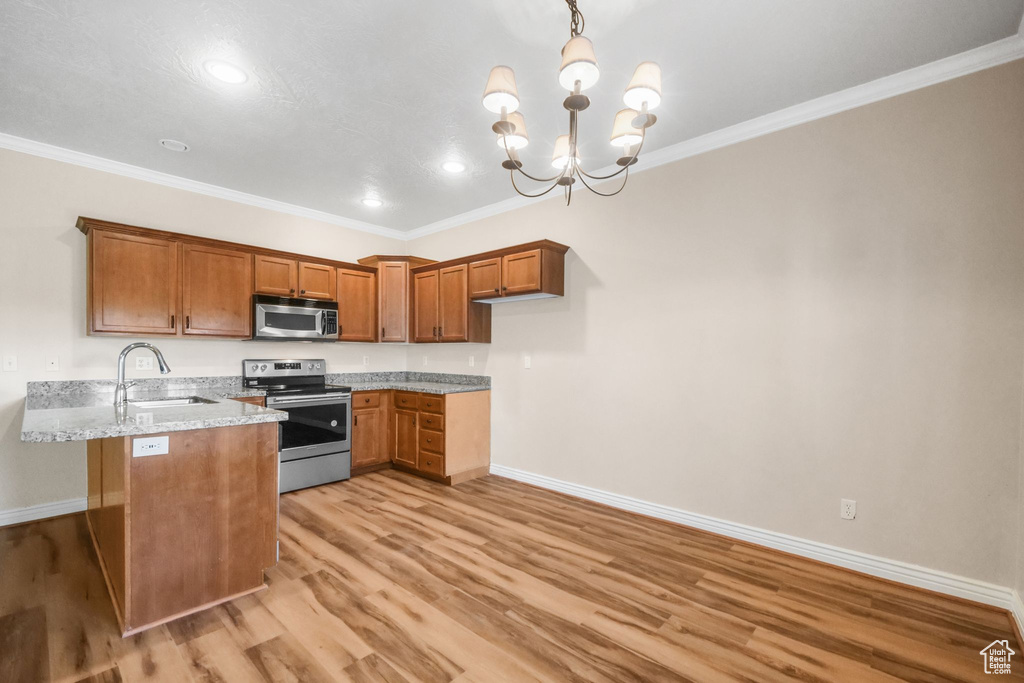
183, 481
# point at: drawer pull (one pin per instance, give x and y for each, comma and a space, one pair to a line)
366, 400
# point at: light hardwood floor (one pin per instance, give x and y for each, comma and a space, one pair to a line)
392, 578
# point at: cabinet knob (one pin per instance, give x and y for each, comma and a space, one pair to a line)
504, 289
302, 292
291, 291
496, 289
366, 400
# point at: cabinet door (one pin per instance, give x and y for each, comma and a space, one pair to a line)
276, 276
368, 435
216, 291
520, 273
485, 279
317, 281
357, 305
425, 306
394, 301
453, 319
406, 437
133, 284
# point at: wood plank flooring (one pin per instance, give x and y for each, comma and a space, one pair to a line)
387, 577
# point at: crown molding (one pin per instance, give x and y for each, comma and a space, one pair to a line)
984, 57
41, 149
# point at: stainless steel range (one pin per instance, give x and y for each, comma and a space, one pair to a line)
315, 442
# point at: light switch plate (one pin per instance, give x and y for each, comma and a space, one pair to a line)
52, 364
366, 361
144, 363
151, 445
10, 363
527, 362
472, 361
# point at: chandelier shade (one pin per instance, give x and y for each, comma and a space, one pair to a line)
645, 86
623, 131
501, 92
560, 157
579, 63
518, 138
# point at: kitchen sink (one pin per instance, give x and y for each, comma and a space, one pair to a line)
170, 402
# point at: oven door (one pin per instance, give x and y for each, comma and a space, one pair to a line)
316, 425
281, 322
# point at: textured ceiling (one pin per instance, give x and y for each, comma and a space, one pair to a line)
347, 99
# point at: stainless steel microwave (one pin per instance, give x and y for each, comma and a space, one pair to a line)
277, 318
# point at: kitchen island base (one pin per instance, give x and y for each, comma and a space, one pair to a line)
182, 531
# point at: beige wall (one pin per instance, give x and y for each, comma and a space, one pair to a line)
42, 310
831, 311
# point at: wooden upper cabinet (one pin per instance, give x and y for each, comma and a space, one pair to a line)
521, 273
394, 301
485, 279
425, 306
357, 305
453, 297
133, 284
276, 276
216, 291
317, 281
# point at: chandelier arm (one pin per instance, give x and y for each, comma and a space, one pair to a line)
608, 194
504, 142
512, 175
643, 136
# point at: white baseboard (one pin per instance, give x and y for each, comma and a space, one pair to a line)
1018, 605
34, 512
894, 570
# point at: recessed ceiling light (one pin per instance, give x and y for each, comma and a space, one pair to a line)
229, 73
454, 166
372, 202
174, 145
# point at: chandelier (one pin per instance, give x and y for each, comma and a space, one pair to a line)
578, 72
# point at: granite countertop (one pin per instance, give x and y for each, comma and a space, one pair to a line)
80, 416
79, 410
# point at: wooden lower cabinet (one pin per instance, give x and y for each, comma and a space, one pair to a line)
447, 438
369, 429
252, 400
180, 532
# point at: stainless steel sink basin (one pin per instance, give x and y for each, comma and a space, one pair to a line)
170, 402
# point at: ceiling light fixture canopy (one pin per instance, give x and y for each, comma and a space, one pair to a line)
578, 72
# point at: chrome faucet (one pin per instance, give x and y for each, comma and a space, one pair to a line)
121, 392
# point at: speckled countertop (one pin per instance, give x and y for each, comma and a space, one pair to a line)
79, 410
80, 416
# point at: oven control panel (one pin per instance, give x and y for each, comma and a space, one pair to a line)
263, 368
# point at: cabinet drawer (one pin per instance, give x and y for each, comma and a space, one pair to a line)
431, 403
405, 399
431, 441
432, 421
432, 463
365, 399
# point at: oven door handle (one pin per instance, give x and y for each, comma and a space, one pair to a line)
271, 402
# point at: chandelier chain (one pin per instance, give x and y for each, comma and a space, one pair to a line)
577, 22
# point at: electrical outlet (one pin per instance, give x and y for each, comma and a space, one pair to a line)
424, 361
526, 362
52, 364
10, 363
154, 445
472, 361
366, 360
144, 363
847, 508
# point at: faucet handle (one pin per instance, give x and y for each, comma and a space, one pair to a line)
130, 383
